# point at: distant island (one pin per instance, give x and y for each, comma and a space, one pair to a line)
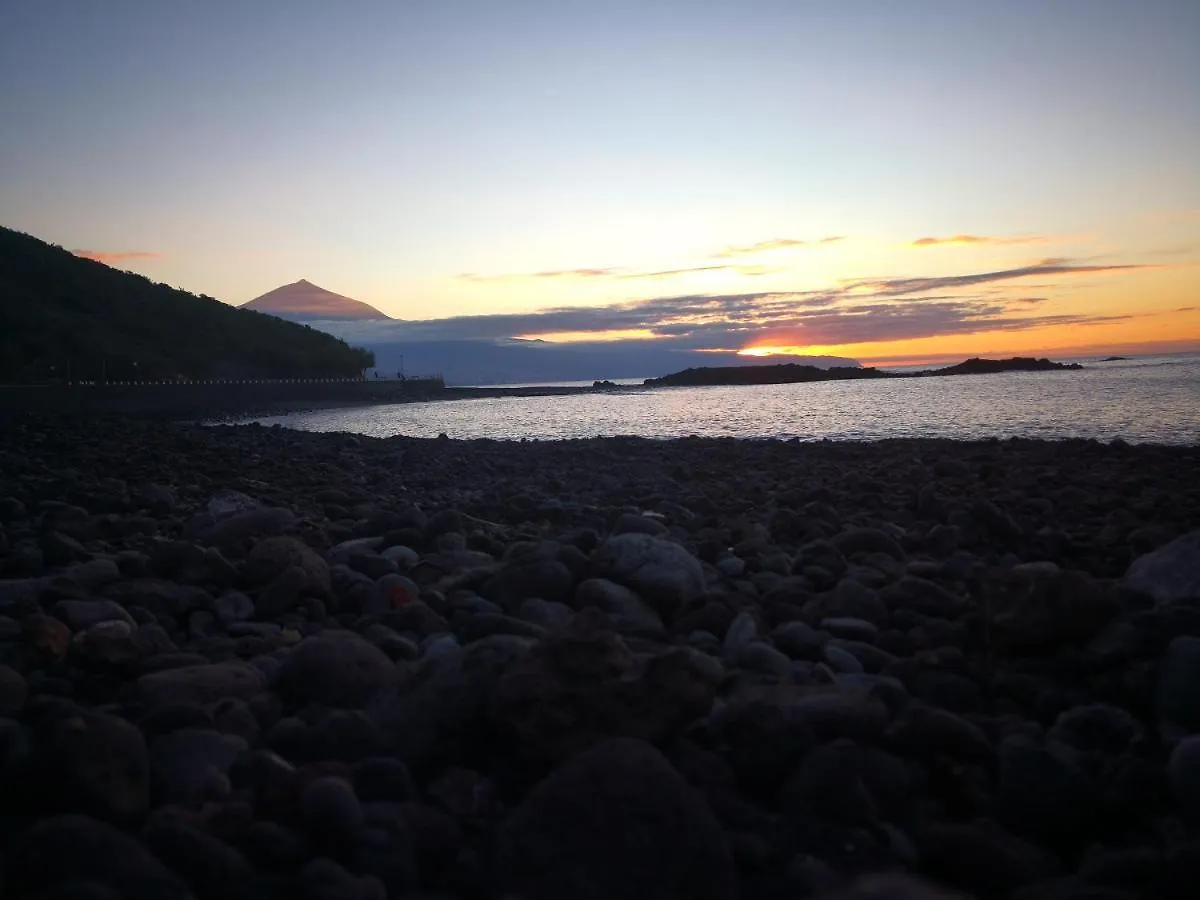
1114, 359
791, 373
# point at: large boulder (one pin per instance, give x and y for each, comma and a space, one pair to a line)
662, 572
1169, 574
616, 821
336, 668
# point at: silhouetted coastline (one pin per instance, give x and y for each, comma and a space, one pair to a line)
793, 373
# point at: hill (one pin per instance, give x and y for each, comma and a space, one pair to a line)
977, 366
791, 373
303, 301
64, 316
784, 373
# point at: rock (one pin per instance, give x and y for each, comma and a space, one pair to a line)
1169, 574
61, 549
764, 659
393, 592
199, 684
228, 502
323, 879
243, 525
841, 660
481, 625
337, 668
386, 850
534, 573
1042, 795
629, 614
926, 733
1179, 685
332, 814
1183, 771
996, 521
45, 640
274, 555
742, 630
633, 523
731, 566
829, 784
983, 859
345, 735
93, 763
582, 684
382, 779
212, 868
72, 850
189, 763
1097, 728
850, 628
403, 557
231, 607
13, 691
551, 616
441, 712
1065, 608
854, 541
661, 572
646, 834
93, 573
80, 615
800, 640
853, 599
283, 593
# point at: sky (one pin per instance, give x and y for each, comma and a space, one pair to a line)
880, 180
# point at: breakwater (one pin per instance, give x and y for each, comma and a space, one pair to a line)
208, 398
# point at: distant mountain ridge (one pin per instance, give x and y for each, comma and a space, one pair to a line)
303, 301
66, 318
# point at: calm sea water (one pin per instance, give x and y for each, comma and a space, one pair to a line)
1146, 399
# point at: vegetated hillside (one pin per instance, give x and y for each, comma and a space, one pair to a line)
63, 316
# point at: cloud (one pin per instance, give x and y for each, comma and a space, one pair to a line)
672, 273
1052, 266
114, 256
963, 239
773, 244
562, 274
1187, 309
555, 274
869, 310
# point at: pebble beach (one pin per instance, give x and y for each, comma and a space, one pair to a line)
242, 662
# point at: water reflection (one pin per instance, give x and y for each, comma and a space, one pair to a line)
1151, 400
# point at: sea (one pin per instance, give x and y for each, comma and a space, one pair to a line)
1145, 399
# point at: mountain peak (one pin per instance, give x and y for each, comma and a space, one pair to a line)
304, 301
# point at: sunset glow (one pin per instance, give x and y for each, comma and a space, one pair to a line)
943, 206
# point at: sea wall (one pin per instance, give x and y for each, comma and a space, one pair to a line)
198, 399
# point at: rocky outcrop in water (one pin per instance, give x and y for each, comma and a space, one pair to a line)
246, 662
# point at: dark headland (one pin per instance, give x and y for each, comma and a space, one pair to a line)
792, 373
250, 662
